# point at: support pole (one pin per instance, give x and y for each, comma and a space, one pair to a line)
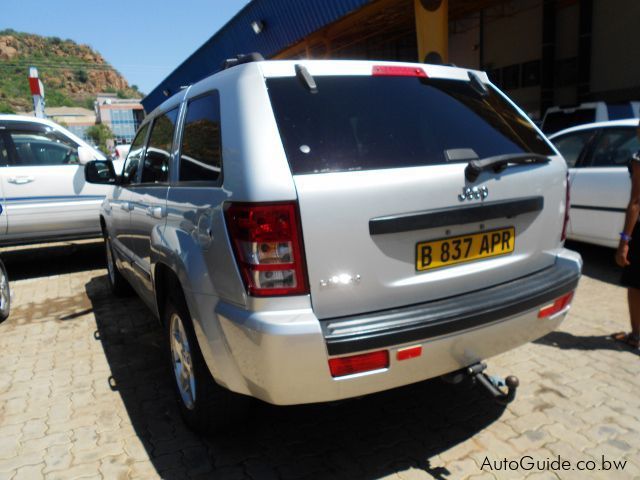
432, 30
584, 50
548, 55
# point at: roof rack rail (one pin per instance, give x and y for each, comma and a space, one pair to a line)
242, 58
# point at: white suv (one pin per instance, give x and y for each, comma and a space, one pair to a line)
310, 231
43, 194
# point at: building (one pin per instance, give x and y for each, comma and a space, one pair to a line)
122, 115
75, 119
541, 52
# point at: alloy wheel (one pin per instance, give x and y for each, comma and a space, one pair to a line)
110, 265
5, 299
182, 362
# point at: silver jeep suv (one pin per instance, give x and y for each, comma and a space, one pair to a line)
309, 231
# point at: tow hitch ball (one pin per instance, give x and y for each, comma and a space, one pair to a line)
494, 385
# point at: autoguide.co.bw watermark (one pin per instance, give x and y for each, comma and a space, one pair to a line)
527, 462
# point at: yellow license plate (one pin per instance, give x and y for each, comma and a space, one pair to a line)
465, 248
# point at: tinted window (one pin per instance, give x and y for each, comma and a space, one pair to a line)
618, 111
42, 146
201, 153
130, 170
158, 154
556, 121
614, 147
571, 145
4, 153
362, 123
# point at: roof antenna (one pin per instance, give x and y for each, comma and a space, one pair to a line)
305, 78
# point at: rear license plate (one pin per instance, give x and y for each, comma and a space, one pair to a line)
464, 248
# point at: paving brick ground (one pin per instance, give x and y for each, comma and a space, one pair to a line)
85, 393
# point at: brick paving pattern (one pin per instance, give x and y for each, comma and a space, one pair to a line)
85, 393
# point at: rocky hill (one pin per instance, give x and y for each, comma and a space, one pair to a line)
72, 74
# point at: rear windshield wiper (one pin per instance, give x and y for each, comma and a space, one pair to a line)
498, 163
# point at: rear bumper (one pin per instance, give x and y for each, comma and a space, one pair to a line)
282, 356
450, 315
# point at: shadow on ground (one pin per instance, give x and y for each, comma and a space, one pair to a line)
365, 438
567, 341
53, 259
599, 262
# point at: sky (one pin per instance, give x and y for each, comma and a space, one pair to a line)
144, 40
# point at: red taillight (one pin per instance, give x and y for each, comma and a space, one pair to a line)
567, 205
558, 305
390, 71
267, 243
365, 362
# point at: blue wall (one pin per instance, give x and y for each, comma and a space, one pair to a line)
286, 23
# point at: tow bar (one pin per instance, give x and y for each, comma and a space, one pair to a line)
494, 384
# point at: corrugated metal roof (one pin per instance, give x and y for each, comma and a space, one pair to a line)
286, 22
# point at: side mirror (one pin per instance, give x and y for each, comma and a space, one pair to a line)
100, 171
85, 155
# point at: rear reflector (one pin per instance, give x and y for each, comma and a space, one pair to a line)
557, 306
409, 352
267, 243
358, 363
567, 206
389, 71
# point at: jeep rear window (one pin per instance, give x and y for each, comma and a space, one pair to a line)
366, 123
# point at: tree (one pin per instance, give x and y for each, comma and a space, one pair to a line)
100, 133
81, 75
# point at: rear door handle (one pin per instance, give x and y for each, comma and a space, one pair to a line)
126, 206
21, 180
157, 212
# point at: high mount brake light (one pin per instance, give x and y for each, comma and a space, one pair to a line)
391, 71
267, 244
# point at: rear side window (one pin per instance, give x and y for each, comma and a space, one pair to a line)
201, 153
572, 144
614, 147
130, 170
42, 146
364, 123
619, 111
158, 154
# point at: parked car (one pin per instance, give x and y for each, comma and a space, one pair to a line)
42, 186
597, 155
5, 293
310, 231
560, 118
119, 154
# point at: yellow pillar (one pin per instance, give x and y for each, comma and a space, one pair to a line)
432, 28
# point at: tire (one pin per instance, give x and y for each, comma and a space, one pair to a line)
119, 285
206, 407
5, 293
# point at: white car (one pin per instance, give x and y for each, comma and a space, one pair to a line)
597, 155
118, 156
561, 118
43, 193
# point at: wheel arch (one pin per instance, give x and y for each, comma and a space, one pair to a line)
165, 280
103, 226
